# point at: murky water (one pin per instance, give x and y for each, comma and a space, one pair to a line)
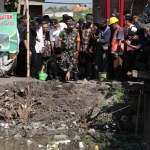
22, 144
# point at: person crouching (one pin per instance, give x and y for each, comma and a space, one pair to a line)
59, 65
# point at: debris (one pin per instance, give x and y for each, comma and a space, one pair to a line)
85, 81
91, 131
61, 128
96, 147
72, 113
18, 136
40, 146
59, 86
81, 146
77, 137
60, 137
29, 142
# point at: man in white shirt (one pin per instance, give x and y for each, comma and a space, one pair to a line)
55, 31
39, 47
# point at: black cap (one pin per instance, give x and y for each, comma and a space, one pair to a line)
54, 22
35, 24
39, 20
102, 21
58, 50
89, 18
65, 15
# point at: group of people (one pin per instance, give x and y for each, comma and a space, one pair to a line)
72, 50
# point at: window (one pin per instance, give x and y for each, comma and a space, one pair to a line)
98, 13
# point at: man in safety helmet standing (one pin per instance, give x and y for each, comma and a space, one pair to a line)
117, 47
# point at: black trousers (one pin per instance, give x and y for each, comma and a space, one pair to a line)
85, 64
21, 68
55, 71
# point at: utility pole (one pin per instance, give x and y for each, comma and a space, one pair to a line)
1, 5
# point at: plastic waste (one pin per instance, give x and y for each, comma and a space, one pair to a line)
29, 142
39, 146
81, 146
96, 147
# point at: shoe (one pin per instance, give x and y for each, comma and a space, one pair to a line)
6, 76
88, 78
75, 77
56, 79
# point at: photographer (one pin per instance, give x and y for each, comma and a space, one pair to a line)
130, 53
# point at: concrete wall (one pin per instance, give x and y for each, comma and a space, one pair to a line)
98, 7
35, 8
59, 14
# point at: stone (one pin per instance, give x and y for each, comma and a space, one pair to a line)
91, 131
85, 81
18, 136
77, 137
61, 128
72, 113
63, 125
60, 137
50, 129
59, 86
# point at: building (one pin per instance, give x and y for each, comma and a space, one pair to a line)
99, 7
52, 13
77, 8
36, 8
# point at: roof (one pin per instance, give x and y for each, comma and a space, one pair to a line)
77, 8
49, 11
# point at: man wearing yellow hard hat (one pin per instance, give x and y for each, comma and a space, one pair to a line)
117, 47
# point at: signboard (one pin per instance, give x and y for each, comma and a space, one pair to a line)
8, 31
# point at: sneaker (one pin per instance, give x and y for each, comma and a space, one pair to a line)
57, 79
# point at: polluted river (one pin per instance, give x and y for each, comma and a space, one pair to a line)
87, 115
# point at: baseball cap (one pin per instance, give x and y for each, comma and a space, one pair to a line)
35, 24
89, 18
102, 21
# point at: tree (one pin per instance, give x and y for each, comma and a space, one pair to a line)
11, 5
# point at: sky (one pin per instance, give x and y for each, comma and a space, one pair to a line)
67, 1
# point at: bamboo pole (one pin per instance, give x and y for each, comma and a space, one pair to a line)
28, 57
25, 7
19, 6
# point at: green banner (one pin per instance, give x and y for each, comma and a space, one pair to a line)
8, 31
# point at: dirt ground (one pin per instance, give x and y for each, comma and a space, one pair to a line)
46, 111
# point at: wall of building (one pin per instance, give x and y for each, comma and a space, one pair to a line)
98, 7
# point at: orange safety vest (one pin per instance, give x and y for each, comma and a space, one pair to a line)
114, 43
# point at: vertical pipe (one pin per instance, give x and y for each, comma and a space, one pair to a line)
107, 9
121, 10
28, 57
